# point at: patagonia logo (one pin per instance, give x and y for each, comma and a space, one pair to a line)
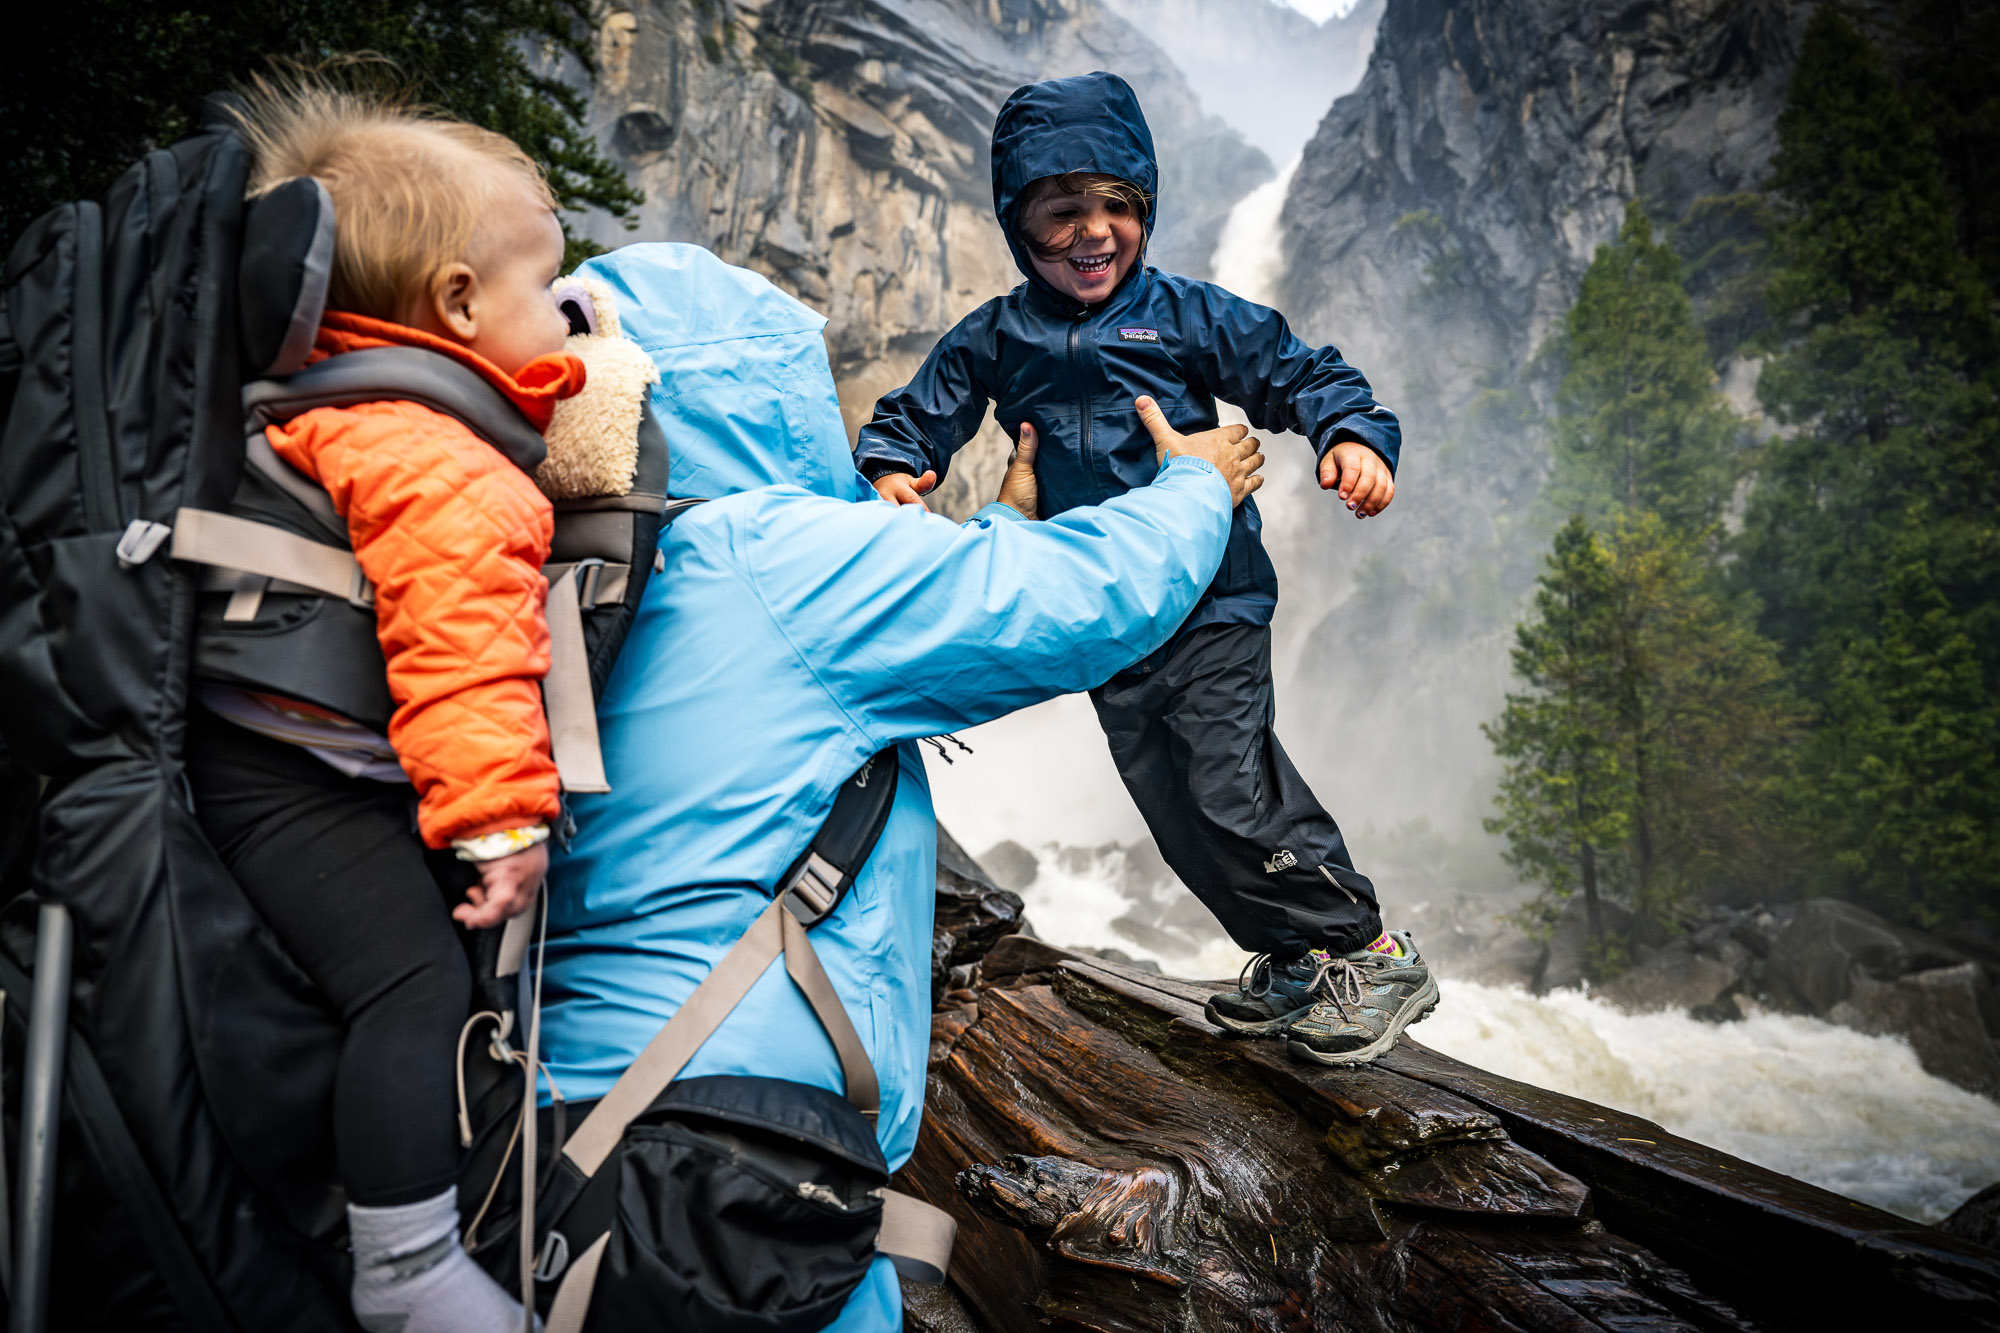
1139, 335
1284, 860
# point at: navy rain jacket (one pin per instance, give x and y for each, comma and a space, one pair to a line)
1073, 370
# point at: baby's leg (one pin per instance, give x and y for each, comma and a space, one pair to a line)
1233, 818
333, 866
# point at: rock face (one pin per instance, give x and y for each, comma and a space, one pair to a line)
1446, 209
842, 150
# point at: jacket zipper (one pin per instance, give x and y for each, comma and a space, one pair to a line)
1083, 387
95, 467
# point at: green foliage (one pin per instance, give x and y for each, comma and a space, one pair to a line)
1872, 536
1640, 426
90, 87
1903, 774
1645, 757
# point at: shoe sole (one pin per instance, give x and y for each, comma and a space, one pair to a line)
1269, 1027
1416, 1011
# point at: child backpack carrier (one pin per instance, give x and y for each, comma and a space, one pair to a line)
177, 1055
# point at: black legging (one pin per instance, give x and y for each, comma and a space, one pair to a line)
334, 866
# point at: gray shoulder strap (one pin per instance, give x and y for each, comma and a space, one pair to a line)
410, 374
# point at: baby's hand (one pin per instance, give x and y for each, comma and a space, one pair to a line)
900, 488
1360, 475
1018, 488
506, 888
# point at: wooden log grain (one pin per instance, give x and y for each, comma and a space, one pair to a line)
1117, 1164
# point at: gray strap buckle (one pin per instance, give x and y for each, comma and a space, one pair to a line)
139, 541
554, 1258
815, 892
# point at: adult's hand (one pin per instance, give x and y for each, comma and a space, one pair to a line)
1018, 487
900, 488
1232, 449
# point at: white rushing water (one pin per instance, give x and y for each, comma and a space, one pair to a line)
1849, 1112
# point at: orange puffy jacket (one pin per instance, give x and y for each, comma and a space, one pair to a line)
453, 536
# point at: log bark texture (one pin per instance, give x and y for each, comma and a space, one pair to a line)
1117, 1164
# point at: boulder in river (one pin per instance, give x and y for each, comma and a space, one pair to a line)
1977, 1219
1937, 1012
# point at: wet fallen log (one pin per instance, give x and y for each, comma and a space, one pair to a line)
1119, 1165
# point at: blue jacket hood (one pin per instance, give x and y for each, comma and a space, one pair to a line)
1091, 122
742, 366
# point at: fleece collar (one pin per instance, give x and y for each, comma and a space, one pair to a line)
535, 391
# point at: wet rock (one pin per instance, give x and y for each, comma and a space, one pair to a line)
973, 914
1977, 1219
1679, 978
1828, 943
1937, 1011
1571, 961
1011, 865
935, 1309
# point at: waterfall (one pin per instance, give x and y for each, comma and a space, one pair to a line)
1249, 256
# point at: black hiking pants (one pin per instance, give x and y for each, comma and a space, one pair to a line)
338, 873
1192, 738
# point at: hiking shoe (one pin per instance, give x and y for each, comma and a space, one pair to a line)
1269, 997
1370, 997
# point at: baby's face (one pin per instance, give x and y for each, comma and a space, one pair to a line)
1109, 236
516, 254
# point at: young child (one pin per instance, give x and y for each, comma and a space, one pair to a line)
446, 239
1066, 357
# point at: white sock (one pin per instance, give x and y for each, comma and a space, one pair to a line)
412, 1276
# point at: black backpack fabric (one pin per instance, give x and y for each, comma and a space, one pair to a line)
195, 1173
191, 1182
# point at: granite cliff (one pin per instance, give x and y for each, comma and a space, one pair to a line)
842, 150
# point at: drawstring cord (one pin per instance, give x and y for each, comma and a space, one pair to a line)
937, 742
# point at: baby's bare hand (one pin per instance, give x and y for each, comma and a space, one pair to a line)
1019, 488
899, 488
1364, 481
1232, 449
506, 888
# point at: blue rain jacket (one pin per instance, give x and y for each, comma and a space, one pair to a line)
1073, 370
800, 625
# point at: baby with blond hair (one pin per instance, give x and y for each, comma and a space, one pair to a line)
446, 240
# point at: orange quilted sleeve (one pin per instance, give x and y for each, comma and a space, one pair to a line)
453, 537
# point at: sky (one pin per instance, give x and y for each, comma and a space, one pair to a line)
1319, 11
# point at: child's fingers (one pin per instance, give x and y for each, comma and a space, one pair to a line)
925, 484
1385, 491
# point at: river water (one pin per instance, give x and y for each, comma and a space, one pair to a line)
1852, 1113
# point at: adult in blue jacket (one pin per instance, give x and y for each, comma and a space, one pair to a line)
796, 627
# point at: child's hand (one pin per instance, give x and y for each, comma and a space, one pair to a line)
506, 888
1360, 475
1232, 449
1018, 487
900, 488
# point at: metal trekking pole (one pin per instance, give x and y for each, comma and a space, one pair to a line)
41, 1109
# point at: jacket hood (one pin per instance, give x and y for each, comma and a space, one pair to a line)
745, 395
1091, 122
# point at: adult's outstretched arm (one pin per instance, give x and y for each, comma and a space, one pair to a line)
915, 625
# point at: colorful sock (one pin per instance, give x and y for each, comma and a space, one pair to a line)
1383, 944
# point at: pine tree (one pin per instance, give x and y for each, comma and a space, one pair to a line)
1566, 795
1640, 427
1645, 757
89, 87
1872, 537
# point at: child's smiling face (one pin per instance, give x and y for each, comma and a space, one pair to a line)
1083, 240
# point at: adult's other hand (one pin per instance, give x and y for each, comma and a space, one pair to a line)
1232, 449
1018, 487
